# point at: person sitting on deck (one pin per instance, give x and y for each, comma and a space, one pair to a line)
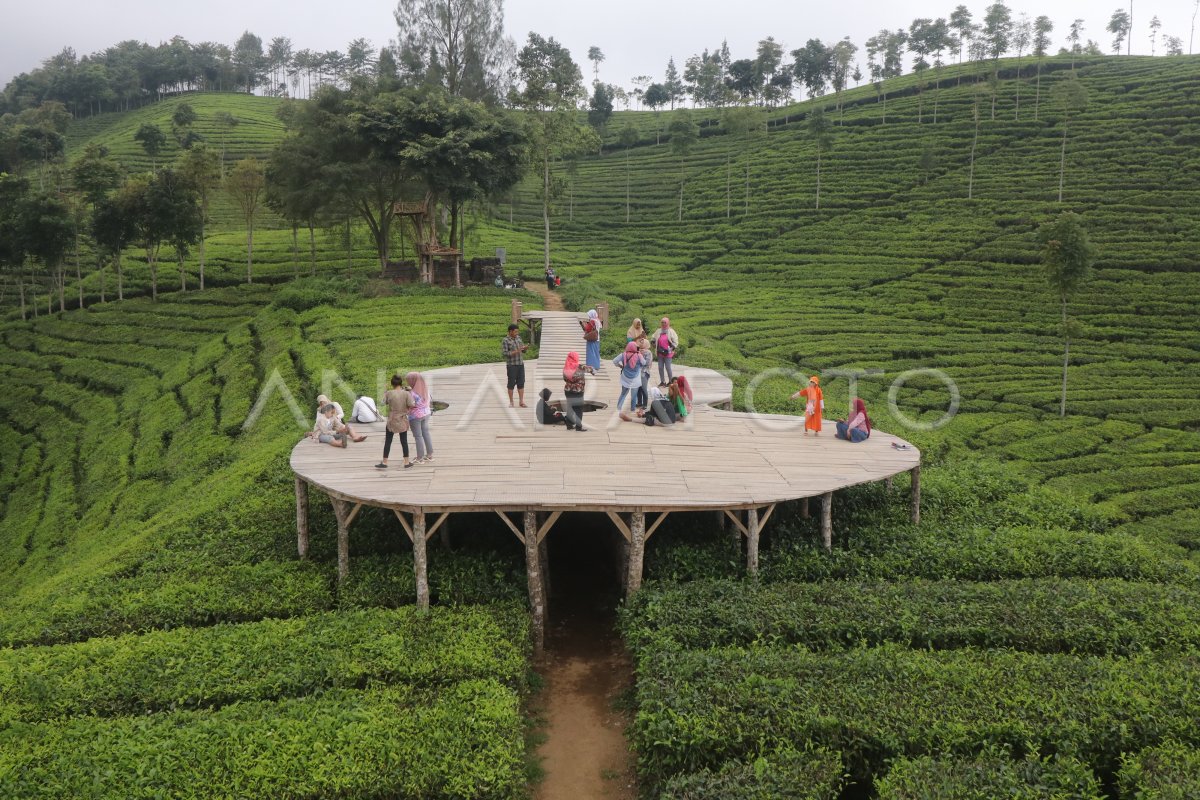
680, 393
364, 410
329, 431
339, 425
661, 410
547, 414
858, 427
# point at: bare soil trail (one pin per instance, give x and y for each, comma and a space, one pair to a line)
552, 299
586, 670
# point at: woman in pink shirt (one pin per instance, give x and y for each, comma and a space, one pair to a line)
858, 427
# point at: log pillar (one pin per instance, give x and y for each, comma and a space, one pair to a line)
533, 570
420, 562
916, 494
302, 517
544, 560
752, 543
637, 551
887, 484
623, 564
516, 312
342, 511
827, 521
804, 512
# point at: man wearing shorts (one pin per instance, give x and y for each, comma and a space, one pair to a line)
512, 347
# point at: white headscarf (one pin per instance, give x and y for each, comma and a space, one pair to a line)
594, 317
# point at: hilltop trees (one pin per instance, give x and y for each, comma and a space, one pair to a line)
1042, 27
1119, 26
1067, 255
457, 44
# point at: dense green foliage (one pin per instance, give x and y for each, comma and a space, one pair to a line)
1170, 771
786, 775
988, 777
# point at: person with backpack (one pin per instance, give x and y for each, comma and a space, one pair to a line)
631, 363
399, 402
591, 337
666, 342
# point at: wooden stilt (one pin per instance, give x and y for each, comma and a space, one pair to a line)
752, 543
887, 483
637, 550
916, 494
533, 570
827, 521
623, 564
804, 512
302, 517
420, 564
345, 515
544, 560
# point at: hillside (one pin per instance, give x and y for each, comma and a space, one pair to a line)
159, 636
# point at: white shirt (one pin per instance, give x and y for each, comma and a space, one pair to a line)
364, 410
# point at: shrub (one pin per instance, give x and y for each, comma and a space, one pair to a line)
989, 776
1170, 771
786, 775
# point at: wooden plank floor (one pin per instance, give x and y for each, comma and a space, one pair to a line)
487, 455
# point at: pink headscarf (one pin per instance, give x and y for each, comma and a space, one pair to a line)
861, 408
417, 384
571, 366
632, 355
685, 389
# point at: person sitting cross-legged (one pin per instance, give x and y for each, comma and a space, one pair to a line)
548, 414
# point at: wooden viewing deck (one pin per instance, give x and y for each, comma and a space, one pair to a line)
489, 457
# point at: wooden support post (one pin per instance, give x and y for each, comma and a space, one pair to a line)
302, 517
420, 565
623, 564
752, 542
887, 484
516, 311
544, 560
637, 550
533, 570
341, 510
804, 512
916, 494
827, 521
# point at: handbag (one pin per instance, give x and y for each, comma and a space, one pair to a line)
591, 334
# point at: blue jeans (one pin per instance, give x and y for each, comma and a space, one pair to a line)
420, 432
855, 436
632, 392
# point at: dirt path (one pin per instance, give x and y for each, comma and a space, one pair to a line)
551, 299
586, 669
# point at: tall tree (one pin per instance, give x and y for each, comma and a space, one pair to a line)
1067, 255
1042, 27
961, 22
1022, 36
595, 55
94, 175
552, 88
114, 226
1075, 34
1119, 25
459, 43
627, 139
152, 140
249, 61
1071, 98
600, 106
684, 135
672, 84
814, 65
245, 184
843, 57
226, 122
13, 191
46, 231
656, 97
822, 135
997, 32
202, 169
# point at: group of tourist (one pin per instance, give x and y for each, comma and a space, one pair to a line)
409, 407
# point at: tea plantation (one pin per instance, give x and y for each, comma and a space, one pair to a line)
1035, 636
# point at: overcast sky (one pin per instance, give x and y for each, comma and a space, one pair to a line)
636, 36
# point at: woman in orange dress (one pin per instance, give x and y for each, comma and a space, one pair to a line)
813, 407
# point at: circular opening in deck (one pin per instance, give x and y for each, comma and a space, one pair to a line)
586, 405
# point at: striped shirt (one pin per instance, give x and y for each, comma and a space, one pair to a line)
511, 347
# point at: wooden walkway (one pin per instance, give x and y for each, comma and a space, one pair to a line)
490, 457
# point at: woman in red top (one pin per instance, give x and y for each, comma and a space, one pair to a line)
574, 375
